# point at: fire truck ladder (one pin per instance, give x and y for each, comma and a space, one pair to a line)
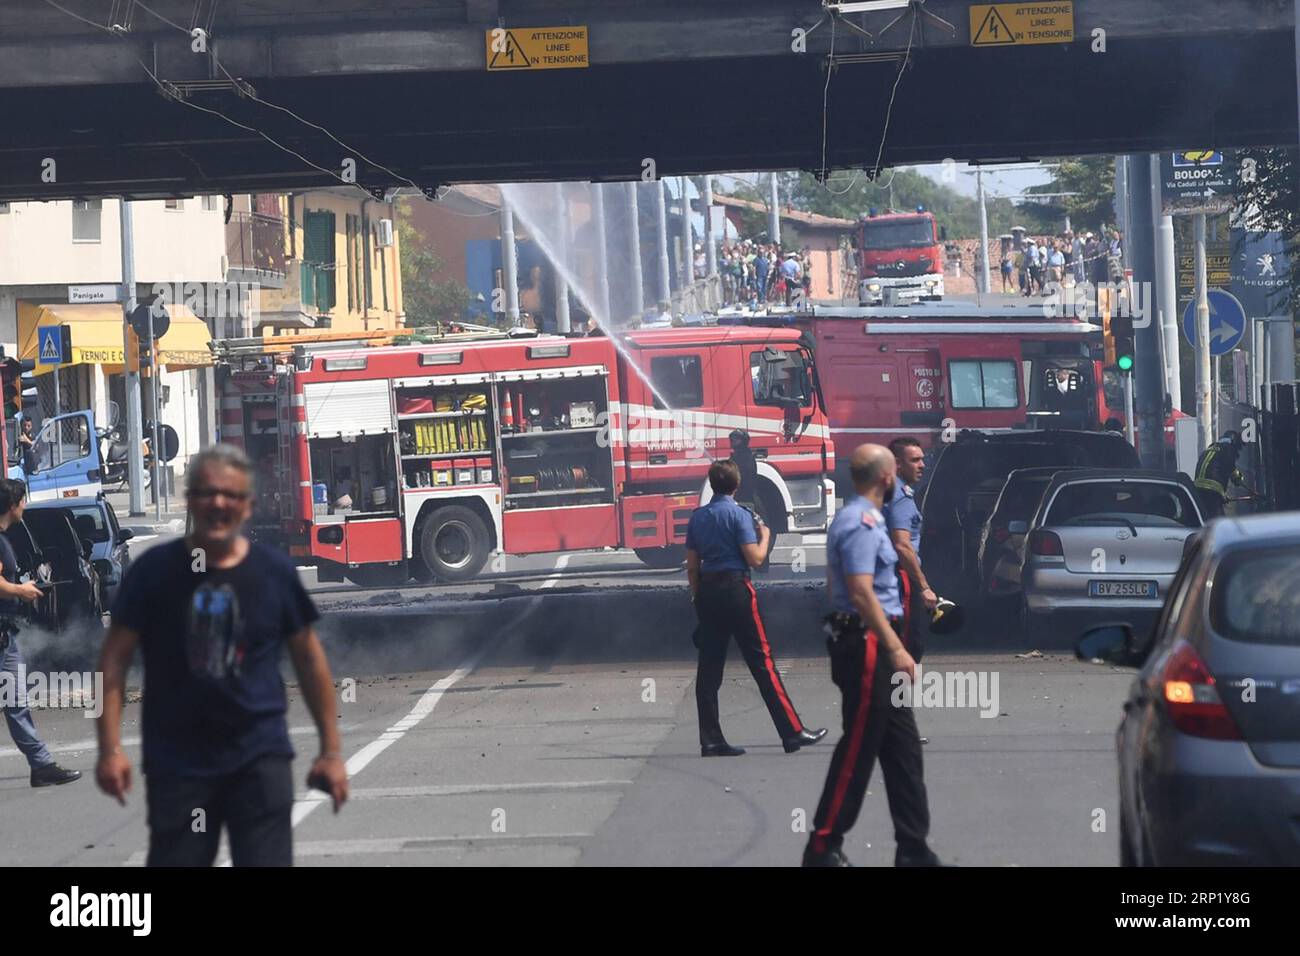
284, 443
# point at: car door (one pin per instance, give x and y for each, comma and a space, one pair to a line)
120, 554
1137, 738
67, 459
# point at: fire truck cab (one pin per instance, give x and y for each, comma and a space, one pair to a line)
937, 368
380, 463
900, 259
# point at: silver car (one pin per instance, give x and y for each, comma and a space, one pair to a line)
1103, 545
1209, 744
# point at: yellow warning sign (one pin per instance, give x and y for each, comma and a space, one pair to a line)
537, 48
1018, 24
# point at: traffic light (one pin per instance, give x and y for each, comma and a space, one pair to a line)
1117, 331
12, 374
1121, 331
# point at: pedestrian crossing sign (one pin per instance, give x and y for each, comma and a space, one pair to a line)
53, 344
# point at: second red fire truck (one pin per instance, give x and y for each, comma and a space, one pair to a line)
379, 463
900, 258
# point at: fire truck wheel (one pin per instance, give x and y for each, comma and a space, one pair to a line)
671, 557
454, 543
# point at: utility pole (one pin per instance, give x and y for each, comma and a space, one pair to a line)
688, 251
1166, 285
134, 438
985, 284
1121, 197
774, 212
1204, 409
634, 241
1148, 369
602, 252
661, 213
509, 262
156, 447
562, 321
710, 250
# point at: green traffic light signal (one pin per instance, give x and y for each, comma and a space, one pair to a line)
1125, 363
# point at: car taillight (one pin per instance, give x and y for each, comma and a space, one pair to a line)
1046, 544
1001, 534
1191, 698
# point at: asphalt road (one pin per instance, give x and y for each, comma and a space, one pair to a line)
547, 717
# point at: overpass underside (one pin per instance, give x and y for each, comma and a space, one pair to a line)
690, 115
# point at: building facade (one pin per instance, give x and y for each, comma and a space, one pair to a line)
61, 264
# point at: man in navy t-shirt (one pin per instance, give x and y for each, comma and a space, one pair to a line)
212, 614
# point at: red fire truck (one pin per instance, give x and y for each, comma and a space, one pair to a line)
377, 463
939, 367
900, 259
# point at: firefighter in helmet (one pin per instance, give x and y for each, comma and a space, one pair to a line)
1215, 471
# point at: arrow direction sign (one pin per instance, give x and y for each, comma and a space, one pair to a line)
1227, 321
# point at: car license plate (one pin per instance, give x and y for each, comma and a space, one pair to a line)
1122, 589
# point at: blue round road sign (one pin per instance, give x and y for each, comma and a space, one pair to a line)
1227, 321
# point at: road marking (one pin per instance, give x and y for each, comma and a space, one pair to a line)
454, 790
354, 847
422, 709
306, 805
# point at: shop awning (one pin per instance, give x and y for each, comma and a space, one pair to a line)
186, 343
97, 335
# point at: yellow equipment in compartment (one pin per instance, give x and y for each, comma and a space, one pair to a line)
424, 440
454, 433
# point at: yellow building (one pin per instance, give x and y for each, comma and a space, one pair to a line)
325, 259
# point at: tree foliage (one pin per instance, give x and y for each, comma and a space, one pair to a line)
849, 194
1091, 179
426, 299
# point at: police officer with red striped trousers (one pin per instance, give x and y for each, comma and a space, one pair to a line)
723, 542
866, 654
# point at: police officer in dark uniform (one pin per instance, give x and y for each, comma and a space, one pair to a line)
723, 542
13, 595
866, 653
903, 519
747, 493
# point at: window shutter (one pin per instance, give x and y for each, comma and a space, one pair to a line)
318, 255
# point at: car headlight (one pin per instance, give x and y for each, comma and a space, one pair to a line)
931, 283
873, 286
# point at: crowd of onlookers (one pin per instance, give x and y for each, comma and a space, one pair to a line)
754, 274
1083, 257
